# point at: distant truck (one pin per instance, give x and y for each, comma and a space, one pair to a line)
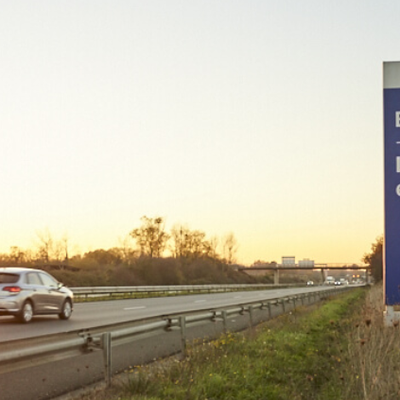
330, 280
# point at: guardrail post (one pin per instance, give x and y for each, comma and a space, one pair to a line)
107, 356
269, 310
283, 305
224, 316
182, 324
251, 309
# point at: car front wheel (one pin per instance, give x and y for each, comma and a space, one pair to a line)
26, 313
66, 310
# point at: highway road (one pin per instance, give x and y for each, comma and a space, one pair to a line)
95, 314
60, 376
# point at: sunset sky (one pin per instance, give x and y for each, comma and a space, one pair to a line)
261, 118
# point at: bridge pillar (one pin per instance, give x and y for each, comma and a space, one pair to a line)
323, 275
276, 277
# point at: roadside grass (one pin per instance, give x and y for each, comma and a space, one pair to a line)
300, 355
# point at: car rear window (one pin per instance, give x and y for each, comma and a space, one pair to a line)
8, 278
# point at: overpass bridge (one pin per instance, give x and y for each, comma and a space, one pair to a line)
323, 268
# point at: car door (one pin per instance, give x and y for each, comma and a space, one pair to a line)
34, 284
53, 297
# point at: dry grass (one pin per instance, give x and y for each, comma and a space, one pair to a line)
374, 352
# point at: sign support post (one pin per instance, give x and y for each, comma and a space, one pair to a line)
391, 249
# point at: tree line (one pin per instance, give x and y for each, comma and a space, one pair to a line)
151, 240
180, 256
148, 255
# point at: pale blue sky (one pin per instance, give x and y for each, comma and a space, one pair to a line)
261, 118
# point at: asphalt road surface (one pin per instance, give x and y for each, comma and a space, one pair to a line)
94, 314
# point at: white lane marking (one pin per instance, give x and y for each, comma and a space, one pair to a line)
133, 308
200, 301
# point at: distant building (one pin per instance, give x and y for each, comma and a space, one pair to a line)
306, 263
288, 261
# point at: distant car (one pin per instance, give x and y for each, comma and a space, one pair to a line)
310, 283
338, 283
330, 280
25, 292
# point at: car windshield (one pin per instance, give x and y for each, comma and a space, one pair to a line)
8, 278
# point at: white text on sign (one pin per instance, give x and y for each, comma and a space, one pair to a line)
397, 119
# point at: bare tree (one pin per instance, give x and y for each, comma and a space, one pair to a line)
18, 255
230, 247
178, 234
214, 241
126, 249
50, 249
65, 246
188, 243
151, 236
45, 246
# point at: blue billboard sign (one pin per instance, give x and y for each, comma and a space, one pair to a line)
391, 100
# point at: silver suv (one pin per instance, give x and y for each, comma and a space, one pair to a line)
25, 292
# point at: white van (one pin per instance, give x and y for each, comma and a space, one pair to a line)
330, 280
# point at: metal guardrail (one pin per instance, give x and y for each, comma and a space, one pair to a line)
29, 352
111, 291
